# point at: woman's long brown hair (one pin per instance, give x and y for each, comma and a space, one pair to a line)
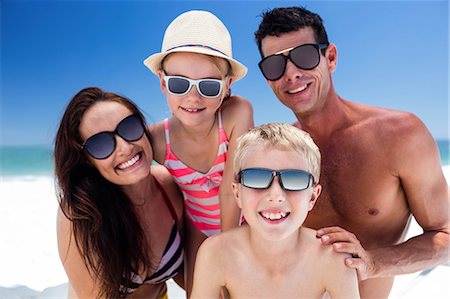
105, 227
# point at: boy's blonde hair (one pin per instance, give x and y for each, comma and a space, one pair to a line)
283, 137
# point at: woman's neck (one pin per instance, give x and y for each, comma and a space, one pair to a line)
140, 192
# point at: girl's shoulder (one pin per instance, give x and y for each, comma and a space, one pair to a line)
158, 141
237, 112
156, 130
236, 102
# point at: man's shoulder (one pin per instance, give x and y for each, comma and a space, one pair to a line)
386, 121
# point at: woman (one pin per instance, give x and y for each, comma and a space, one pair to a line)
120, 216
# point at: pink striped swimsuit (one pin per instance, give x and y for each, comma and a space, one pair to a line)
200, 190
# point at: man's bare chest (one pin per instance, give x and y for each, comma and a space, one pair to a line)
359, 191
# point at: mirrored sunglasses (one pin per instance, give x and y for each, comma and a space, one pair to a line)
262, 178
305, 57
208, 88
102, 145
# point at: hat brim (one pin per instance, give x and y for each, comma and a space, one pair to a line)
238, 70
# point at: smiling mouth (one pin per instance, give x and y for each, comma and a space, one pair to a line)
274, 216
130, 162
299, 89
192, 109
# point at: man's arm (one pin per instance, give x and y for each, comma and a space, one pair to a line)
416, 159
427, 195
208, 273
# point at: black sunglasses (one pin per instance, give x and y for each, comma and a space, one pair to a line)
305, 57
262, 178
208, 88
102, 145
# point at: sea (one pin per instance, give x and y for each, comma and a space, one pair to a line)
31, 161
29, 260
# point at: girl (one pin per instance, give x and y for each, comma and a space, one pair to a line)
195, 69
120, 217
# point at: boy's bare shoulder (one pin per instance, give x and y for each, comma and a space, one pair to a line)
325, 253
226, 242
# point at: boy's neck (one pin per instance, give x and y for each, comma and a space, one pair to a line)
273, 250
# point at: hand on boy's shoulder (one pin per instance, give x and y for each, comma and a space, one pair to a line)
323, 252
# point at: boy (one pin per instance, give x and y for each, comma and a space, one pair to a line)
277, 170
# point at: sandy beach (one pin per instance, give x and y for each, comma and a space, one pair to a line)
29, 255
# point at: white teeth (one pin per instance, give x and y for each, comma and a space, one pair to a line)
191, 110
301, 88
129, 162
274, 216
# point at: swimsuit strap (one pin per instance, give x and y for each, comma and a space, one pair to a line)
219, 114
167, 202
166, 134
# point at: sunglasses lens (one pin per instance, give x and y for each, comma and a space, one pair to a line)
178, 85
256, 178
131, 128
272, 67
295, 180
209, 88
290, 180
305, 57
101, 145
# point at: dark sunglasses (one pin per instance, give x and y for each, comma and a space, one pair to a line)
262, 178
102, 145
305, 57
208, 88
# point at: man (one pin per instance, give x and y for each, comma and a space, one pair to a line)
379, 167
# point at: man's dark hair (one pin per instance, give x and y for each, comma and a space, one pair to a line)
287, 19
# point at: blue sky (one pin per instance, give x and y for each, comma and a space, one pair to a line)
392, 54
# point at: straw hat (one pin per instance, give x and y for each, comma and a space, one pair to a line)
197, 32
